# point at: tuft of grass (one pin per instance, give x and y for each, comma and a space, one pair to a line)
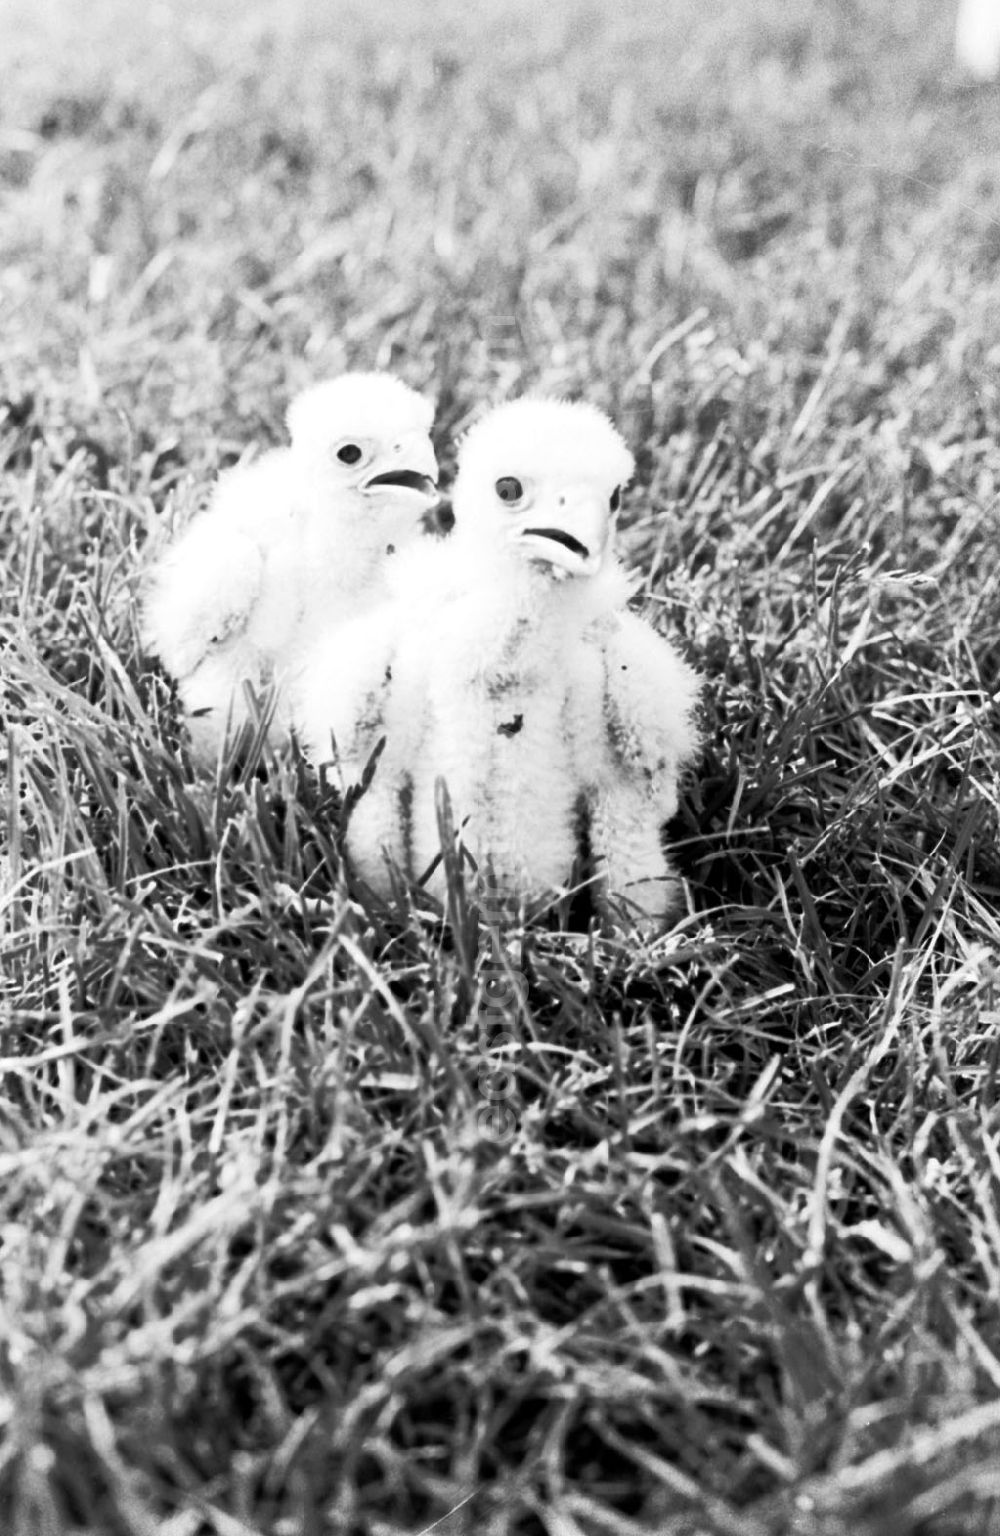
322, 1215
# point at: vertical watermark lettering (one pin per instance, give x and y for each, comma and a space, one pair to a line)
503, 991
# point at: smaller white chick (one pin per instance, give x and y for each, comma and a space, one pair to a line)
507, 666
977, 38
288, 544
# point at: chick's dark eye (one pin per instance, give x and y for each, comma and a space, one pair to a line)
616, 498
349, 454
509, 489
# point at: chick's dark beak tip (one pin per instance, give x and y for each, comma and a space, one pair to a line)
559, 536
406, 479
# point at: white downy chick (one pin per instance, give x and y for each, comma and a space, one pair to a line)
507, 666
290, 543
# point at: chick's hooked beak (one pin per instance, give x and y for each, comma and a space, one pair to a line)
408, 467
568, 531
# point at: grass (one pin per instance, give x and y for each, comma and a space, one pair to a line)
730, 1261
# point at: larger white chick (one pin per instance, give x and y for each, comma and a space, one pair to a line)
290, 543
507, 666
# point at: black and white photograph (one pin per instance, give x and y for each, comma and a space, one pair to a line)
499, 768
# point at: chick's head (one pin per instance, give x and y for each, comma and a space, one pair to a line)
365, 438
543, 479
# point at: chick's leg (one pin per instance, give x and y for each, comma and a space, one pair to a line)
630, 865
224, 698
377, 831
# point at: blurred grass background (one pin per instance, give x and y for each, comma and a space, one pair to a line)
272, 190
